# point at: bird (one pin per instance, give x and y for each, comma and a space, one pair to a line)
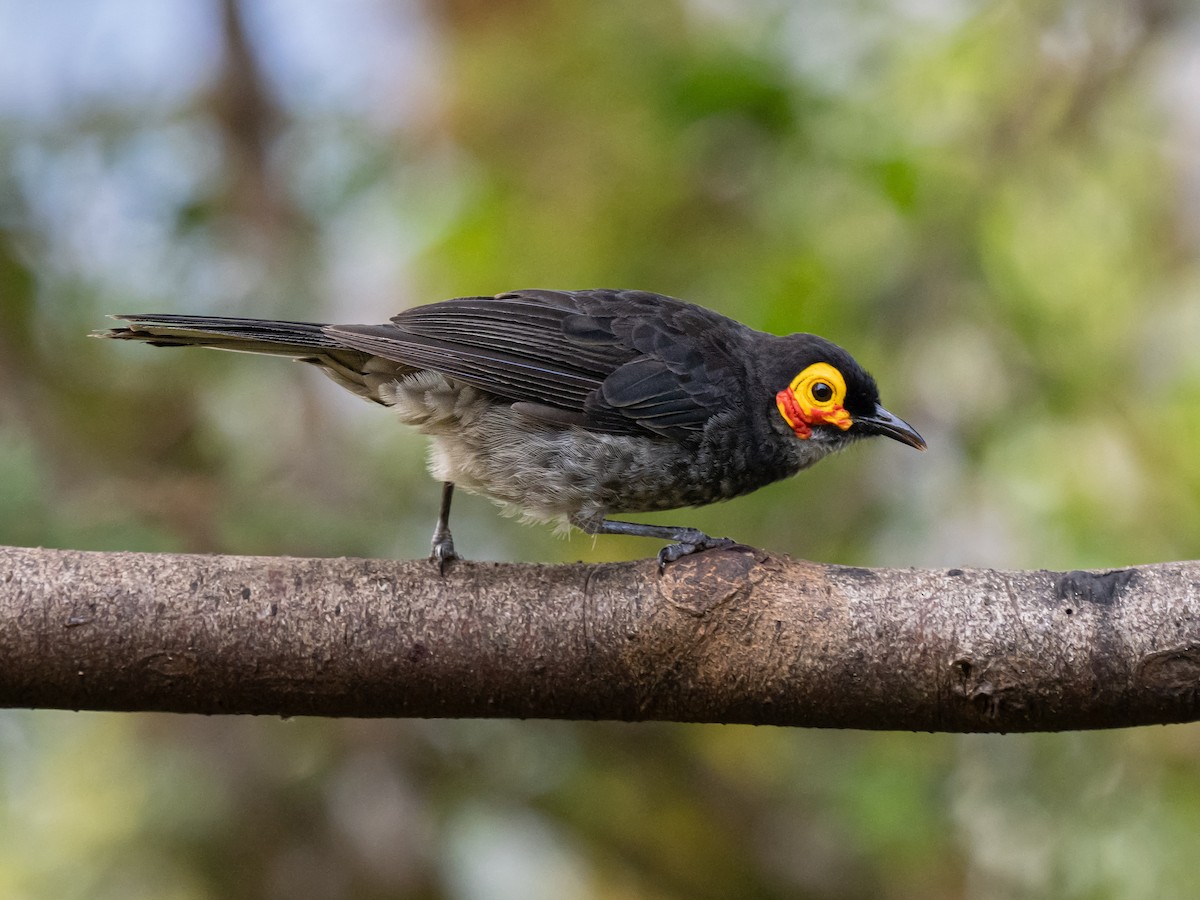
571, 406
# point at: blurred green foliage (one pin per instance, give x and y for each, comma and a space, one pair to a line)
993, 205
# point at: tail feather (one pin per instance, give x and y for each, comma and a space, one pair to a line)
357, 371
278, 338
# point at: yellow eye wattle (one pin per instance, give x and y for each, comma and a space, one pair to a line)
814, 397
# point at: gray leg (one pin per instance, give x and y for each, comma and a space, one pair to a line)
443, 543
686, 540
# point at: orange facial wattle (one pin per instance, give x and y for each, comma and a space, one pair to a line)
835, 416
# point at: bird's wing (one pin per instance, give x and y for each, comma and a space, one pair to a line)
617, 361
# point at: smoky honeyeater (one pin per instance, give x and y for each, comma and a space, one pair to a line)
570, 406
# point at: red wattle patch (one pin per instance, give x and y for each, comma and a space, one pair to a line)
792, 413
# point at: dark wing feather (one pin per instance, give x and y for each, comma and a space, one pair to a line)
503, 374
619, 361
523, 324
690, 367
508, 346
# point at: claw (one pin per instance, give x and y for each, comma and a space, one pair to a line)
673, 552
443, 554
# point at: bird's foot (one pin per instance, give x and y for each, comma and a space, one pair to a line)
691, 541
443, 553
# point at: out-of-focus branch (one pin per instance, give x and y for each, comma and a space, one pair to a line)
248, 120
720, 637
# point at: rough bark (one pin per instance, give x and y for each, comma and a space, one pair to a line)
721, 637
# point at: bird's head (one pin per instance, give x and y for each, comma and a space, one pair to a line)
827, 397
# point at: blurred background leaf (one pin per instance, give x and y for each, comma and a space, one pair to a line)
995, 206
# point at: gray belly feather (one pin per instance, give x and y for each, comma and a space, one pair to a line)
549, 472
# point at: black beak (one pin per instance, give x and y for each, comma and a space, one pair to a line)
883, 422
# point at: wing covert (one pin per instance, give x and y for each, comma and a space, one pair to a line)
616, 361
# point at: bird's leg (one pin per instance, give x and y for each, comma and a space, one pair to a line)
686, 540
442, 551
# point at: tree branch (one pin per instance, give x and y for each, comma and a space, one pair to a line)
721, 637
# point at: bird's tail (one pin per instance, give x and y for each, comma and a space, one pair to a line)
295, 339
357, 371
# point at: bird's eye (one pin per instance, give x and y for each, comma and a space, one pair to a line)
821, 392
